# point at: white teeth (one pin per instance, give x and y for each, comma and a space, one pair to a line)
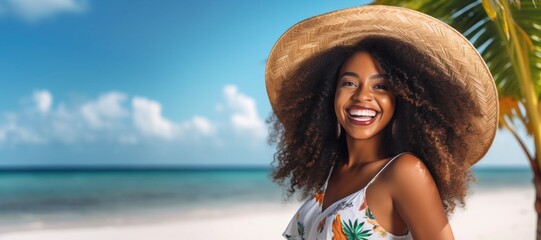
362, 112
361, 119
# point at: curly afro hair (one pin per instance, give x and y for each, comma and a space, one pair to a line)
425, 120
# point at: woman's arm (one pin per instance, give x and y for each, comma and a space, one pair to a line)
417, 200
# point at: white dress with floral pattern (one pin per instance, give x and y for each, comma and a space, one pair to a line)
347, 219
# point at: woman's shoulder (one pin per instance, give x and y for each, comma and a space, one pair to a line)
407, 162
408, 171
416, 197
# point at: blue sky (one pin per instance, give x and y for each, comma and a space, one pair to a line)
147, 82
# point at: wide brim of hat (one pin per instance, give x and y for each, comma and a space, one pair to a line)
448, 48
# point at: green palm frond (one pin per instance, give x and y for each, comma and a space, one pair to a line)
507, 34
471, 19
354, 231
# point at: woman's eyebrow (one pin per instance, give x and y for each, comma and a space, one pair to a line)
375, 76
349, 74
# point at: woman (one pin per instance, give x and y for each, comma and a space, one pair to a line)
379, 113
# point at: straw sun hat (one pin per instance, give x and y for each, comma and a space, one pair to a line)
448, 49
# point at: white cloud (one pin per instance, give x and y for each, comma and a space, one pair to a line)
11, 131
244, 116
66, 125
35, 10
147, 116
106, 111
115, 117
201, 125
43, 100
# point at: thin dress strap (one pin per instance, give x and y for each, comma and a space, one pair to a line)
328, 176
374, 178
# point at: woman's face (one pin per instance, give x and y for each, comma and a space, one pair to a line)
363, 102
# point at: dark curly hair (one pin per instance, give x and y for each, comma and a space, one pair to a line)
425, 121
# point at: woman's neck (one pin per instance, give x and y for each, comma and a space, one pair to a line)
363, 151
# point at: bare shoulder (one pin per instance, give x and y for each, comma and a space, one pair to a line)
417, 199
409, 168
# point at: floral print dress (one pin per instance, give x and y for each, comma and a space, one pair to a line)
347, 219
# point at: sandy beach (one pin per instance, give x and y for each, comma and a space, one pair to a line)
489, 214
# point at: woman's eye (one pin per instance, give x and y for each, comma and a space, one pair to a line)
348, 84
380, 86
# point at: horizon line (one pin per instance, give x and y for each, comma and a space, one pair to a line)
186, 167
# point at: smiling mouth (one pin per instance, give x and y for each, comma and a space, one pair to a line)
362, 117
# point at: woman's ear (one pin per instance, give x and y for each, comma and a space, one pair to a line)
394, 129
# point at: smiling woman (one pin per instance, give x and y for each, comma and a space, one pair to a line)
362, 81
372, 129
370, 80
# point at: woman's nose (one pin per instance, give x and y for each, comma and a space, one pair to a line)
363, 94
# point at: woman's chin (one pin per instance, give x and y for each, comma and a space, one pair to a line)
361, 136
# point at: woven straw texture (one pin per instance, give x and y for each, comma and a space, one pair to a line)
449, 50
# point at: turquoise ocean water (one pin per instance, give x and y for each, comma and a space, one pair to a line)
31, 199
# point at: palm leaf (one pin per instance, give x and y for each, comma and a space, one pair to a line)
470, 18
508, 37
354, 231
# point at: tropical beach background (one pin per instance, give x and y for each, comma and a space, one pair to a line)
146, 120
